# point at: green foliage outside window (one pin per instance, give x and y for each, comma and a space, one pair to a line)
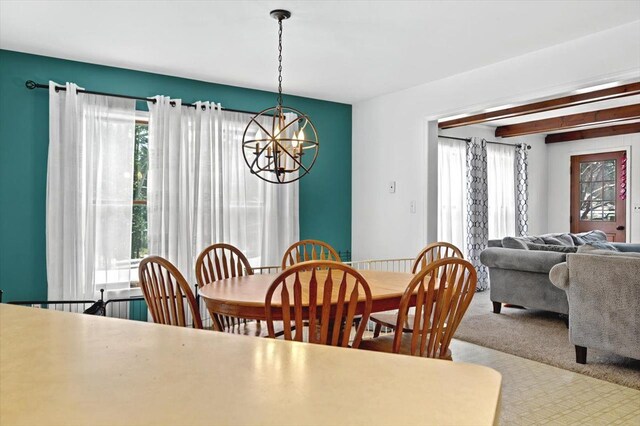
139, 246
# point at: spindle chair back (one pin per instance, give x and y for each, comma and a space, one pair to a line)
319, 301
435, 251
166, 292
443, 291
306, 250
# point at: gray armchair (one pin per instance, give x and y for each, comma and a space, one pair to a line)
603, 289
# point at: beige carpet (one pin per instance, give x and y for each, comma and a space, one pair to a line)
540, 336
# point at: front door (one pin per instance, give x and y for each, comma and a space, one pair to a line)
597, 197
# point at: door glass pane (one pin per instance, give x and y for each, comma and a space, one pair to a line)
610, 170
597, 190
596, 173
585, 172
585, 191
609, 191
609, 211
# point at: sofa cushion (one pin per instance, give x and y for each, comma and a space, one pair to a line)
552, 247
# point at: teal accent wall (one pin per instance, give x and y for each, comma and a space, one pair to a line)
325, 193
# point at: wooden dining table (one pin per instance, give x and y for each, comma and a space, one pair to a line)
244, 297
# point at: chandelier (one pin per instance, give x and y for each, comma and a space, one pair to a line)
280, 144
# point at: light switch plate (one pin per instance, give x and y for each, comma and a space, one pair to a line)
392, 186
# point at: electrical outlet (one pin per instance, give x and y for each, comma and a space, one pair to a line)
392, 186
412, 207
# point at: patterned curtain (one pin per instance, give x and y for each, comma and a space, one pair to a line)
477, 208
522, 190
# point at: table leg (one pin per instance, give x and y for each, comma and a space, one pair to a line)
215, 320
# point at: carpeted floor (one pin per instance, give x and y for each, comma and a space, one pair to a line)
540, 336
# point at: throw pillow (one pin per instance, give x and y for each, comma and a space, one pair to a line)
593, 236
577, 240
566, 239
552, 247
514, 243
596, 245
552, 241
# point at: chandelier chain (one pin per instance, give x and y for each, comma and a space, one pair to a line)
280, 62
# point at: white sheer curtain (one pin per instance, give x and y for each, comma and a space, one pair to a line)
200, 191
183, 180
89, 192
260, 218
452, 192
501, 190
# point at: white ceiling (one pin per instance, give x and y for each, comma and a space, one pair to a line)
344, 51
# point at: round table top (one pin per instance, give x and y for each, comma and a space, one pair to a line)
250, 290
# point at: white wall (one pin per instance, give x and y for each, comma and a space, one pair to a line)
390, 132
559, 160
537, 170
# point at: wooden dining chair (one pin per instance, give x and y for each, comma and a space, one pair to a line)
442, 292
306, 250
218, 262
317, 302
428, 255
166, 292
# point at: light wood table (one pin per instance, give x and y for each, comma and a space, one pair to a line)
71, 369
244, 297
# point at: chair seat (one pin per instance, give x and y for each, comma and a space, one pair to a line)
389, 320
385, 344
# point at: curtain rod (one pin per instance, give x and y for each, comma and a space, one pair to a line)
30, 84
497, 143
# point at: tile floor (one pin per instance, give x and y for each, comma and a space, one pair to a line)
535, 394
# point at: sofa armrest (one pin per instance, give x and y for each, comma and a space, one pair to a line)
521, 260
559, 275
627, 247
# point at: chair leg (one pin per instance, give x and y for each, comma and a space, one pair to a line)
377, 330
497, 306
356, 322
581, 354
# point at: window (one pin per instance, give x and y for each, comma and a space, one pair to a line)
501, 191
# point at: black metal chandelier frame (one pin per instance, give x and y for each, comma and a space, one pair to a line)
277, 156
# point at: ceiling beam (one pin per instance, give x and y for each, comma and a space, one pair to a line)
628, 112
548, 105
598, 132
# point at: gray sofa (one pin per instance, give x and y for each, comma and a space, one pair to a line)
603, 288
519, 268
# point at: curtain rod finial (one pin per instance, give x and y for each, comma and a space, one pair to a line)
30, 84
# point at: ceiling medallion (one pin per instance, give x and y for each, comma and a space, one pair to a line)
280, 144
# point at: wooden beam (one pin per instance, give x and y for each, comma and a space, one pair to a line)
627, 112
548, 105
598, 132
